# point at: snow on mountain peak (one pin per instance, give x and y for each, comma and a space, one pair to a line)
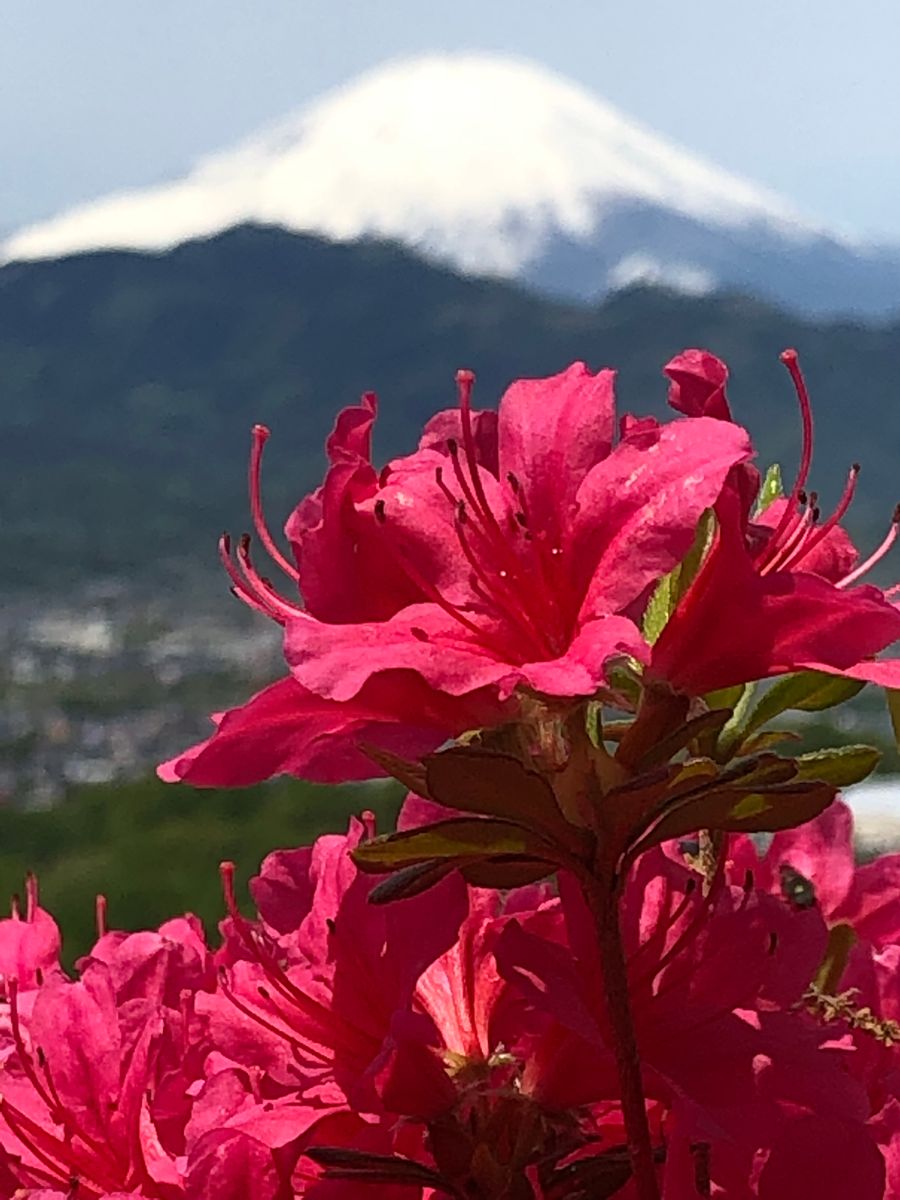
472, 158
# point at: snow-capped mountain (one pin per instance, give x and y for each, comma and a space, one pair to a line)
495, 166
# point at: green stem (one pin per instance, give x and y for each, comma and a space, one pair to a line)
605, 907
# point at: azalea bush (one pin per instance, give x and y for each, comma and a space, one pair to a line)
617, 944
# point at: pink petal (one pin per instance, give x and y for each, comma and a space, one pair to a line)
231, 1165
638, 510
336, 661
825, 1158
822, 852
872, 905
286, 729
698, 384
552, 432
582, 669
787, 622
447, 425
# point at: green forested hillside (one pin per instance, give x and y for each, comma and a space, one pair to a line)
154, 849
128, 382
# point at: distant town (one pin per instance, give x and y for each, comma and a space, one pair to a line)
105, 683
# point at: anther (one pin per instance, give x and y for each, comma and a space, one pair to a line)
226, 875
31, 895
100, 914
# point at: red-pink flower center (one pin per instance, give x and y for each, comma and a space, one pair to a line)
517, 574
520, 606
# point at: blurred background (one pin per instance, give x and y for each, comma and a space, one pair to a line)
223, 212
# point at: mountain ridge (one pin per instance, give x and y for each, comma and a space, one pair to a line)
129, 383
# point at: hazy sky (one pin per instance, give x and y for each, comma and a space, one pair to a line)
800, 95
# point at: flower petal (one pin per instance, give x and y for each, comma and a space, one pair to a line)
638, 510
336, 661
286, 729
552, 431
734, 625
698, 385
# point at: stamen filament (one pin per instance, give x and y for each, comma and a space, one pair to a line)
239, 584
827, 526
262, 588
877, 555
789, 358
260, 436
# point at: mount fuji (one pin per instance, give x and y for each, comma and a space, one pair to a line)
496, 167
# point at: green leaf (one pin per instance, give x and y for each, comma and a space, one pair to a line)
492, 784
839, 767
465, 837
673, 586
892, 695
807, 691
781, 806
660, 607
410, 774
506, 873
734, 732
667, 747
778, 809
625, 679
729, 697
758, 742
411, 881
771, 489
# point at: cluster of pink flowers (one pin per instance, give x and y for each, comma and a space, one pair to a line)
571, 972
454, 1044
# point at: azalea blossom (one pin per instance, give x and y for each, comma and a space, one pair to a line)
814, 866
506, 556
787, 579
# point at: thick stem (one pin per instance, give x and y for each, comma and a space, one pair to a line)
605, 907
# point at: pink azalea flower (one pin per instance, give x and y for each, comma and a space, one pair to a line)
504, 554
731, 1064
96, 1087
394, 1020
309, 992
814, 865
787, 580
29, 945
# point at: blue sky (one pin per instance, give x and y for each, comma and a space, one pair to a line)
800, 95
